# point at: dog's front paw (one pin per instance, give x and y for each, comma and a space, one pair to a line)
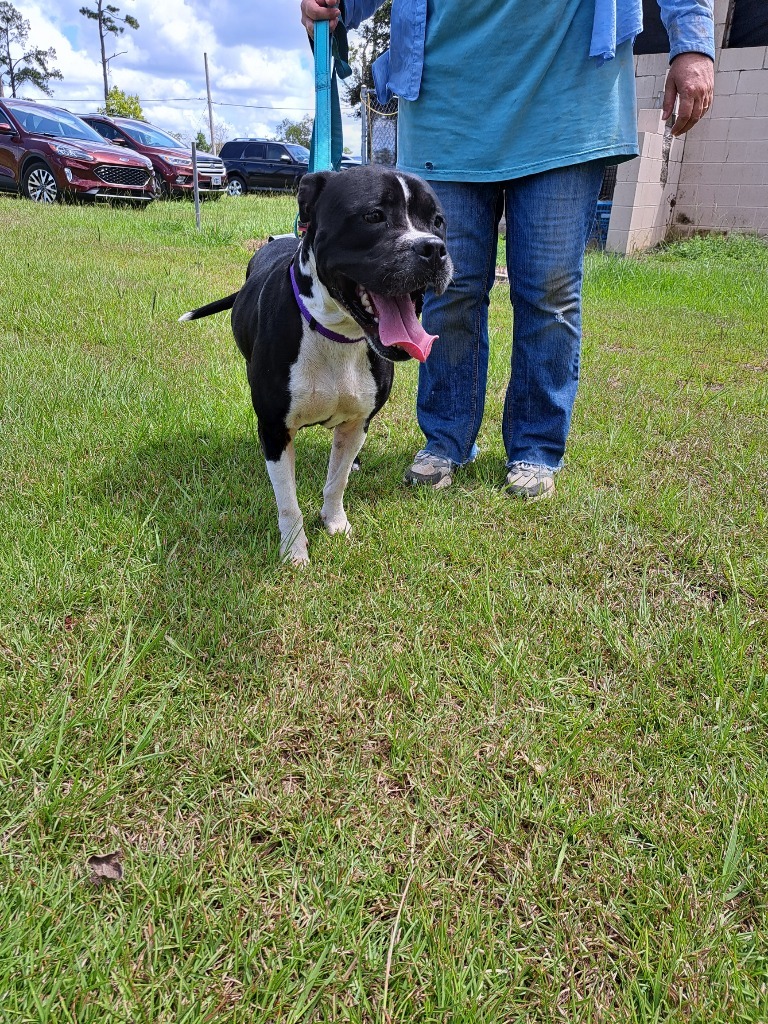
336, 523
295, 553
296, 558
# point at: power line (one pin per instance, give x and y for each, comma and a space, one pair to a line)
192, 99
197, 99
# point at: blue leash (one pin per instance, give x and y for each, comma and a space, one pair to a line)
320, 158
331, 63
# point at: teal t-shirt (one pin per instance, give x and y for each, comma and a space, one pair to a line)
510, 90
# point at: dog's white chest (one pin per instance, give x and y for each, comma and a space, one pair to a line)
330, 383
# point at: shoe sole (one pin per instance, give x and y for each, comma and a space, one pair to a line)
436, 482
520, 492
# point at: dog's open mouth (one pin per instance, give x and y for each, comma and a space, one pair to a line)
394, 318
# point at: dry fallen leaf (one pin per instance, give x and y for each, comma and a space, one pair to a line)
108, 868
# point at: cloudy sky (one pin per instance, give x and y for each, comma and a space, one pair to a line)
258, 56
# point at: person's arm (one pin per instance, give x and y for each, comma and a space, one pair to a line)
354, 11
691, 77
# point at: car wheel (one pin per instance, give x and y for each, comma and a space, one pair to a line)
236, 187
40, 185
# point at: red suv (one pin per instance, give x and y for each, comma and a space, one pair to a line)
46, 152
170, 158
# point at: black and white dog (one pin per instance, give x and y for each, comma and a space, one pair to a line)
322, 320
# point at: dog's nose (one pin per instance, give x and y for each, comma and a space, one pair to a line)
430, 249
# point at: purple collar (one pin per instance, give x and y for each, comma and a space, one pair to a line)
313, 324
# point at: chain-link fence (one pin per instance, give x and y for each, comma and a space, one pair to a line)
609, 184
378, 144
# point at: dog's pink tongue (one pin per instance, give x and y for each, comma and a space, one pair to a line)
399, 325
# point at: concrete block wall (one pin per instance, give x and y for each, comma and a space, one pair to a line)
724, 179
713, 179
644, 199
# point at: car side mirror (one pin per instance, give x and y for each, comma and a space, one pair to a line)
285, 158
6, 129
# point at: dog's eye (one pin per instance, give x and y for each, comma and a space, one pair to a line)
439, 221
374, 216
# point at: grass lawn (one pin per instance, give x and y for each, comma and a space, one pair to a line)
486, 763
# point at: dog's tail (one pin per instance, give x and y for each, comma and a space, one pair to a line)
213, 307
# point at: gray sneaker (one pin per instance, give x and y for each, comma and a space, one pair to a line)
429, 470
525, 480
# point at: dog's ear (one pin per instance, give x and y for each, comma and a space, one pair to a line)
310, 187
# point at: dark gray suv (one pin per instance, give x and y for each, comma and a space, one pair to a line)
262, 165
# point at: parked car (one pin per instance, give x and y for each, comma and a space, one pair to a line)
171, 159
47, 153
262, 165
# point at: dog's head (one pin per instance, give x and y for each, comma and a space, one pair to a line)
377, 237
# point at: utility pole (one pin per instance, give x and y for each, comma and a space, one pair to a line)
210, 105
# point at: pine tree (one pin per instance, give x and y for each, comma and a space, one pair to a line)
203, 146
106, 16
32, 65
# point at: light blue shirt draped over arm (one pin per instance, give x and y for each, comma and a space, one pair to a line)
689, 25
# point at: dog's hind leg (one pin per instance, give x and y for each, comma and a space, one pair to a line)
348, 439
282, 474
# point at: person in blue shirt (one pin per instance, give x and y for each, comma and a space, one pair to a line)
514, 106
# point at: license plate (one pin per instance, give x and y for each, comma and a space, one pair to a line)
215, 179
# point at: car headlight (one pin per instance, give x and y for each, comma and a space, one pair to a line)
63, 150
178, 161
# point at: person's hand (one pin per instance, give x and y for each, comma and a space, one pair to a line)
318, 10
690, 80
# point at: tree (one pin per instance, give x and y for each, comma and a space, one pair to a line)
121, 104
33, 63
299, 132
222, 130
372, 40
108, 21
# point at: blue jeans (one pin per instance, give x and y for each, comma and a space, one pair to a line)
549, 218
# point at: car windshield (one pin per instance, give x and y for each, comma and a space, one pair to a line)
300, 153
148, 135
51, 121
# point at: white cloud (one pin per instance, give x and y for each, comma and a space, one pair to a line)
259, 60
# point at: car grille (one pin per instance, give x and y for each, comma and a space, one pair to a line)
123, 175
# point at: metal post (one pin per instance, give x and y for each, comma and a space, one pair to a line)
210, 105
196, 185
364, 130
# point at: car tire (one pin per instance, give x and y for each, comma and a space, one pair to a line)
39, 184
236, 187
